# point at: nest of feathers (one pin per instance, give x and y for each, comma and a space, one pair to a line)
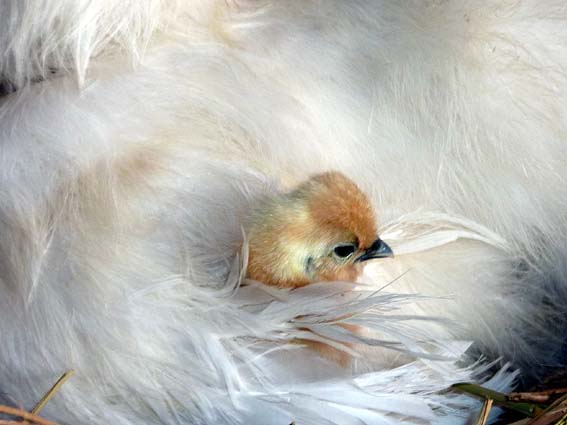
544, 405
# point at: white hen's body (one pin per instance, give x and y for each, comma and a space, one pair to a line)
126, 174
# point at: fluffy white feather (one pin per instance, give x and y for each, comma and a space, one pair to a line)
150, 129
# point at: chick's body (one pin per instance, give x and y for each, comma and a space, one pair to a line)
317, 232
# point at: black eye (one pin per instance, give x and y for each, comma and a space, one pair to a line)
343, 251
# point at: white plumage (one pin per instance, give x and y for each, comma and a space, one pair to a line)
139, 136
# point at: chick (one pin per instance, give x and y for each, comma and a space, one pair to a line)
324, 230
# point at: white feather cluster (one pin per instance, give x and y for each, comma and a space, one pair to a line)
139, 135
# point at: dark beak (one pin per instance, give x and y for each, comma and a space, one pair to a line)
379, 249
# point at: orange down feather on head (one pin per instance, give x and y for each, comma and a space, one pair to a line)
321, 231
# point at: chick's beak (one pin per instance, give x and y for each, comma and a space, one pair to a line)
379, 249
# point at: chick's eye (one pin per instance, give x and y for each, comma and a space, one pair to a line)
344, 251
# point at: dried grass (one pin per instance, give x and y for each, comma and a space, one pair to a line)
32, 417
545, 407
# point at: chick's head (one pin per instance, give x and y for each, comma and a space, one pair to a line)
324, 230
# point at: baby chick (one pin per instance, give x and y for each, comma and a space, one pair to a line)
324, 230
